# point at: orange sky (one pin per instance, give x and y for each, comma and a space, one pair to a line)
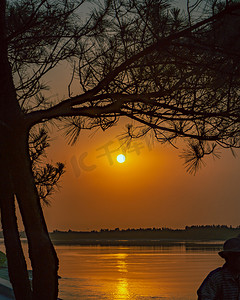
151, 189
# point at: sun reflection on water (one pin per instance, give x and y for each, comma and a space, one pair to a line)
121, 262
122, 291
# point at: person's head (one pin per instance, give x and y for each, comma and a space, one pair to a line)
231, 253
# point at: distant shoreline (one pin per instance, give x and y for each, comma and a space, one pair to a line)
193, 236
200, 236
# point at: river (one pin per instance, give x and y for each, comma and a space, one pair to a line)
117, 272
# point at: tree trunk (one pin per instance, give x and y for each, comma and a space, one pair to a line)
12, 123
17, 267
42, 253
9, 111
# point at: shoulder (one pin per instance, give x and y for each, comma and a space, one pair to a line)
215, 277
212, 284
216, 274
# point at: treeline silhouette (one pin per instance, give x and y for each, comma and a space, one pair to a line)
146, 235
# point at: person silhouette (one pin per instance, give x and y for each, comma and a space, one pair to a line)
224, 283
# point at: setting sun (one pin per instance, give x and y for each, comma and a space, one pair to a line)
121, 158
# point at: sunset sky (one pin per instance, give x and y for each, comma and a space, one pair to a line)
150, 189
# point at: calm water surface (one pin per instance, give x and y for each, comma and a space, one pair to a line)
95, 272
